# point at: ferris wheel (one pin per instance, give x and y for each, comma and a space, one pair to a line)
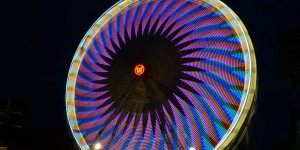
162, 74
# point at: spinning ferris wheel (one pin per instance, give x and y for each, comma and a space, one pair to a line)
162, 74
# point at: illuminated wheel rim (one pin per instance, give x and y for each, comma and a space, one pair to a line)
195, 88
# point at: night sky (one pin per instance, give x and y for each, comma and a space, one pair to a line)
39, 39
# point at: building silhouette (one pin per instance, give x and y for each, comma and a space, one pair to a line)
12, 122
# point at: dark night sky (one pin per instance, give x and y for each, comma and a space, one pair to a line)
40, 38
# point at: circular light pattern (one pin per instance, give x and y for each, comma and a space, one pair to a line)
139, 69
197, 90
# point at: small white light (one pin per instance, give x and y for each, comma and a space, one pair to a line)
97, 146
192, 148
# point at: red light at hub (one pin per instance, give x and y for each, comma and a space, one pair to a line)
139, 69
